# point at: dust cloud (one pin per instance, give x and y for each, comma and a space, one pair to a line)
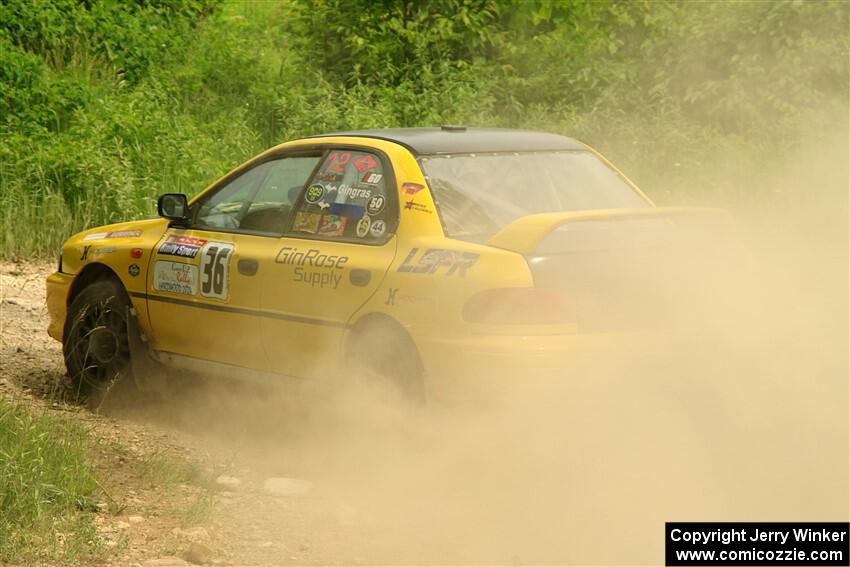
736, 411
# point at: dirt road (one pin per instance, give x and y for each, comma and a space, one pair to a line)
718, 427
245, 511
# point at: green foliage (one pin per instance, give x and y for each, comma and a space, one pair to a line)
45, 488
107, 104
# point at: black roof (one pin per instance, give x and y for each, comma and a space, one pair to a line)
459, 139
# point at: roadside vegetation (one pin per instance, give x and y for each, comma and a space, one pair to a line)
106, 105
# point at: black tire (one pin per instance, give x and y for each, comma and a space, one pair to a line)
388, 358
95, 342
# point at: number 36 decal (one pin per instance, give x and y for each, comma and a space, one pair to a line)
215, 269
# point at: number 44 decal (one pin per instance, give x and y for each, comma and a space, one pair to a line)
215, 269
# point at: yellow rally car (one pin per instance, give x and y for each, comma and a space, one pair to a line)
411, 253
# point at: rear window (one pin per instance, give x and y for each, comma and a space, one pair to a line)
479, 194
347, 199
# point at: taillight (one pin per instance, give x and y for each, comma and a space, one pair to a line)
519, 306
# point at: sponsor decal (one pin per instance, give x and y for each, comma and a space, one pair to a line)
363, 226
329, 177
313, 258
178, 249
175, 277
190, 240
116, 234
414, 206
134, 270
372, 178
306, 222
378, 229
313, 267
353, 192
314, 193
365, 163
124, 234
89, 253
375, 204
394, 297
412, 188
215, 269
102, 251
433, 259
391, 293
332, 225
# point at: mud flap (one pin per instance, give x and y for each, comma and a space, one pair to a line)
148, 374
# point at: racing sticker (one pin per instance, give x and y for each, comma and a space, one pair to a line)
124, 234
363, 226
215, 269
114, 234
175, 277
332, 225
313, 267
378, 229
412, 205
314, 193
181, 246
329, 177
190, 240
350, 192
365, 163
375, 204
435, 258
336, 162
372, 178
412, 188
306, 222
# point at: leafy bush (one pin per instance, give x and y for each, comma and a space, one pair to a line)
106, 104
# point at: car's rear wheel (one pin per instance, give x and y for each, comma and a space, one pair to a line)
386, 359
95, 344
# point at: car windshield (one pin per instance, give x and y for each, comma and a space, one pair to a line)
479, 194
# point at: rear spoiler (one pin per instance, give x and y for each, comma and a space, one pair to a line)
526, 233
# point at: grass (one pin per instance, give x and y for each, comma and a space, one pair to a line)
168, 472
46, 487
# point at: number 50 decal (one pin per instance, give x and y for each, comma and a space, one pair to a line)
215, 269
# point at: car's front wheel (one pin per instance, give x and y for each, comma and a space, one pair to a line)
95, 343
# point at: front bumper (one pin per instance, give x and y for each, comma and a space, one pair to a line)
58, 288
476, 367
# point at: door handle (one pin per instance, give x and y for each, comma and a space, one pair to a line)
359, 277
247, 266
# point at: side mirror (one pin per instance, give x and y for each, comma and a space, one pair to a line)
174, 206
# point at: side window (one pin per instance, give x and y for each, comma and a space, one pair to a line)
347, 200
260, 199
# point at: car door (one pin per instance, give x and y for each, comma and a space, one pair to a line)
205, 282
334, 257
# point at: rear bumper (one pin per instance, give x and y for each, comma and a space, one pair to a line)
58, 287
477, 367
